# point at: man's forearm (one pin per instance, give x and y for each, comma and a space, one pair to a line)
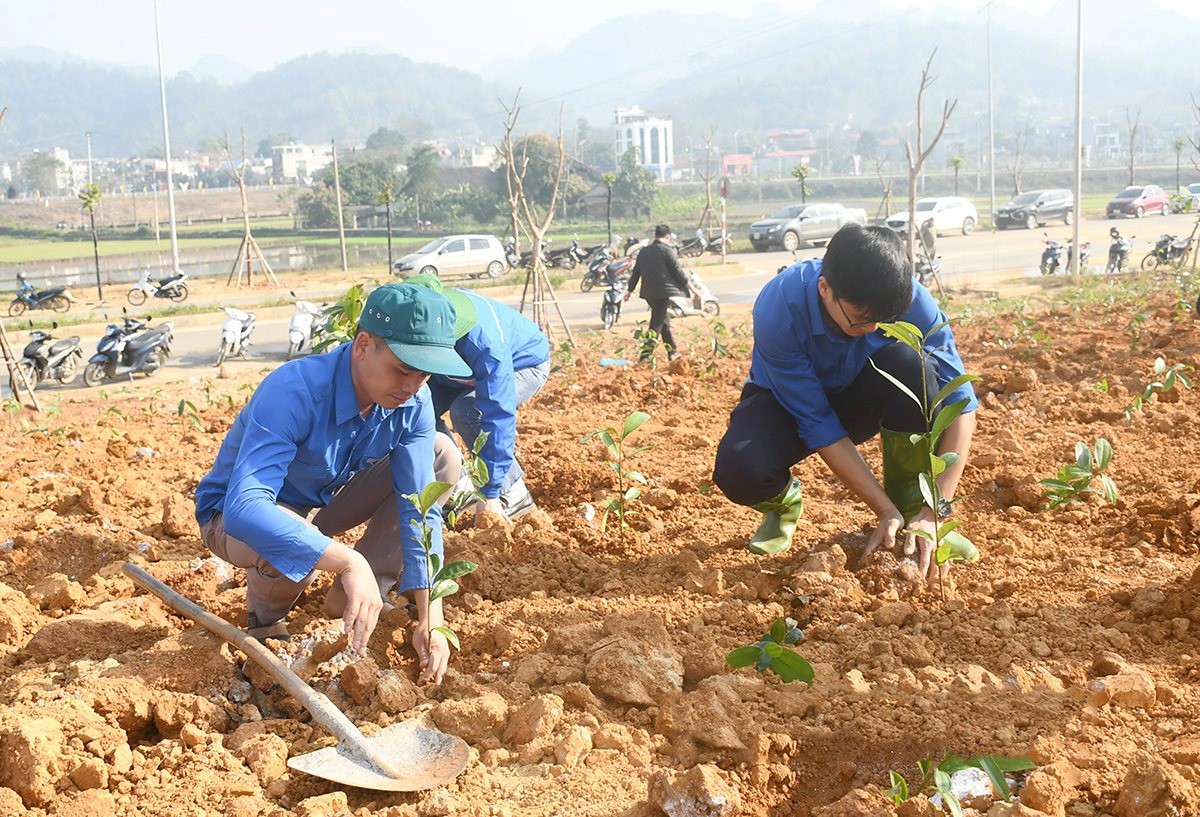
848, 466
427, 611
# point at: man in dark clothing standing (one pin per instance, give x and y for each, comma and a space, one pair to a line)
662, 279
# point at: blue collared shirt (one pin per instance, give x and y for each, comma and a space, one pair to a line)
300, 439
501, 342
802, 359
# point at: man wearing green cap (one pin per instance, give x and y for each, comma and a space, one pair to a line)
509, 359
347, 435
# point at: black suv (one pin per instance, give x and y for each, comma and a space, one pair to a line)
1035, 208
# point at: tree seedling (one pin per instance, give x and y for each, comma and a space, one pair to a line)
935, 778
442, 578
1166, 377
474, 467
627, 490
339, 320
1079, 479
771, 653
187, 408
949, 544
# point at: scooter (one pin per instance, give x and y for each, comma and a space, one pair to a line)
565, 257
614, 296
123, 352
47, 359
1118, 251
173, 287
1051, 256
702, 302
520, 261
927, 271
719, 245
1169, 250
694, 246
1085, 252
235, 333
58, 298
300, 327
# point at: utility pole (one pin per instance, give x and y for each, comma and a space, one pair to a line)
162, 90
337, 189
991, 125
88, 135
1076, 266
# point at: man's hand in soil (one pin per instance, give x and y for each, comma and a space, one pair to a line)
433, 653
890, 523
361, 589
487, 506
922, 547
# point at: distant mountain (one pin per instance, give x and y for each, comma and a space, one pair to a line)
222, 69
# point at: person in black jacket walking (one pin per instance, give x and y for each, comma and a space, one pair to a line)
662, 278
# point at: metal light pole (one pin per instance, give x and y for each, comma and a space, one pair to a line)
87, 134
1076, 267
162, 90
991, 126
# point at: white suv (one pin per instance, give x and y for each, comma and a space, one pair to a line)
456, 256
949, 213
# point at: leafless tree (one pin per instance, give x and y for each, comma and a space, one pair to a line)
524, 214
888, 201
1132, 123
918, 156
707, 176
1016, 167
248, 252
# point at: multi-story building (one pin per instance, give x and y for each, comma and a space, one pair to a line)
298, 163
652, 135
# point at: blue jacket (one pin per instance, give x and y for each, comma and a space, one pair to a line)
801, 359
501, 342
300, 439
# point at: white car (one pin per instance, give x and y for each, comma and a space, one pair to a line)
1187, 200
950, 214
456, 256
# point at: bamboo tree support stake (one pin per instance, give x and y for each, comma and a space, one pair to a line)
249, 250
337, 189
16, 375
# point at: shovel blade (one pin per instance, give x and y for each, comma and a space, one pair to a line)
425, 758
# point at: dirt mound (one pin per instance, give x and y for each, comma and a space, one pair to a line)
592, 677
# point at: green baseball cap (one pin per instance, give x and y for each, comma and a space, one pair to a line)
464, 310
418, 326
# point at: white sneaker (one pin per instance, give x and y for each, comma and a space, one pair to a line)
462, 494
517, 501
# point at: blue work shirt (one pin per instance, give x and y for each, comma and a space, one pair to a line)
501, 342
802, 359
300, 439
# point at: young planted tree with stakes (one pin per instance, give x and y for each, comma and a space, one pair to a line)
918, 156
1132, 124
248, 252
90, 197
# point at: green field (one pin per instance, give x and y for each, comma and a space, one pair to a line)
24, 251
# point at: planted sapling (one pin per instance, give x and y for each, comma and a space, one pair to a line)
476, 469
935, 778
1165, 379
618, 454
442, 578
949, 544
1085, 476
771, 653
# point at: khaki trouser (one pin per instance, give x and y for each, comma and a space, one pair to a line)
367, 497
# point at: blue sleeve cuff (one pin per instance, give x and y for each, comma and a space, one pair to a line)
826, 432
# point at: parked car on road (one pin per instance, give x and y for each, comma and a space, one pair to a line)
1036, 207
456, 256
949, 214
1187, 200
1138, 200
803, 223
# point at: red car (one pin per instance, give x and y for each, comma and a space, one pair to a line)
1138, 200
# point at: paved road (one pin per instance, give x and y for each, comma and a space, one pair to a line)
1011, 253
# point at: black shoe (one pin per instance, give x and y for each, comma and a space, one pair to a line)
517, 501
275, 631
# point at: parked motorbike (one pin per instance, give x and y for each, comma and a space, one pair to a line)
235, 333
44, 358
694, 246
927, 270
1085, 252
57, 298
127, 350
1118, 251
614, 296
565, 257
719, 245
300, 327
520, 261
1051, 256
173, 287
595, 270
702, 301
1171, 250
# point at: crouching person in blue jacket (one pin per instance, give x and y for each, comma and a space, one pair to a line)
813, 389
509, 359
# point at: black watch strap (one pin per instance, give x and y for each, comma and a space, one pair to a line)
945, 509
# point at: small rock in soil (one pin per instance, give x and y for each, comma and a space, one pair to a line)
702, 791
360, 679
1152, 788
474, 719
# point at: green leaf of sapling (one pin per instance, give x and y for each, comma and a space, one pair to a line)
778, 630
743, 656
430, 495
457, 569
1104, 454
962, 549
1083, 457
791, 666
996, 776
450, 635
633, 422
1110, 488
443, 588
927, 490
905, 332
953, 386
772, 649
903, 388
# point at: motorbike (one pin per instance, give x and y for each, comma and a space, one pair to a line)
173, 287
1051, 256
520, 261
614, 296
1085, 252
595, 271
1171, 250
1118, 251
927, 270
300, 327
44, 358
565, 257
694, 246
702, 301
719, 245
57, 298
127, 350
235, 333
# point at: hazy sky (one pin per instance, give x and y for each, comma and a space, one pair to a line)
263, 33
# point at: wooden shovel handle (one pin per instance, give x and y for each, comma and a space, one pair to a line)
322, 709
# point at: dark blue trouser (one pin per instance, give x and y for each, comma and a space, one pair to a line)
755, 457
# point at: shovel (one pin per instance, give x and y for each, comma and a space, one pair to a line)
403, 757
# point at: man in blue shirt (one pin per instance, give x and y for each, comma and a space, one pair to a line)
509, 359
347, 434
813, 389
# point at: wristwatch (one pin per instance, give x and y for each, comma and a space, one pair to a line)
945, 508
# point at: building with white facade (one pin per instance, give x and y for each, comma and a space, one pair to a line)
299, 162
652, 135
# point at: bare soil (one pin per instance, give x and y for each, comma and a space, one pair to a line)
591, 680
